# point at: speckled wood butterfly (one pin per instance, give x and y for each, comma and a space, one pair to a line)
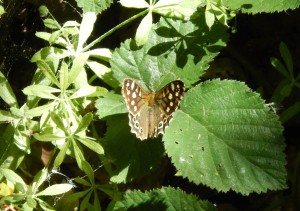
150, 113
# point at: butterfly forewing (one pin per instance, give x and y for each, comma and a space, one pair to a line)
150, 113
169, 97
133, 95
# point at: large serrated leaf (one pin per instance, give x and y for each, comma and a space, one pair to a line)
225, 137
250, 6
175, 49
165, 198
136, 158
110, 104
96, 6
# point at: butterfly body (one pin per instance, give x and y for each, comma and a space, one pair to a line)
150, 113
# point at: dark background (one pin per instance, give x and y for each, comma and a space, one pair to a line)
253, 40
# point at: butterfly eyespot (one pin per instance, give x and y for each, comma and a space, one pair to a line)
150, 113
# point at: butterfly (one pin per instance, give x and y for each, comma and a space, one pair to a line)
150, 113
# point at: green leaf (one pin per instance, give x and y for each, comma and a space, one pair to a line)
175, 50
41, 91
84, 123
166, 198
267, 6
143, 30
86, 28
287, 57
96, 147
82, 181
104, 73
14, 178
134, 3
96, 6
225, 137
64, 76
49, 38
50, 54
47, 137
110, 104
87, 168
280, 67
10, 155
48, 72
55, 190
101, 53
58, 120
176, 8
31, 202
44, 205
278, 96
78, 66
89, 91
39, 179
39, 110
61, 155
78, 154
51, 24
210, 18
138, 157
290, 112
6, 92
2, 11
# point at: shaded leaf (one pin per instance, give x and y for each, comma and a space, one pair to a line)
137, 157
110, 104
165, 198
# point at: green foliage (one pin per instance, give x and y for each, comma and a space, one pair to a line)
288, 83
226, 138
166, 198
96, 6
223, 135
136, 158
269, 6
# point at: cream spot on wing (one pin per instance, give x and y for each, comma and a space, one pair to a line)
170, 96
168, 109
132, 102
132, 85
134, 95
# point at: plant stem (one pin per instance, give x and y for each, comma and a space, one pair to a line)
114, 29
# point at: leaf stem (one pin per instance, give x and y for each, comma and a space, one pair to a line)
114, 29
